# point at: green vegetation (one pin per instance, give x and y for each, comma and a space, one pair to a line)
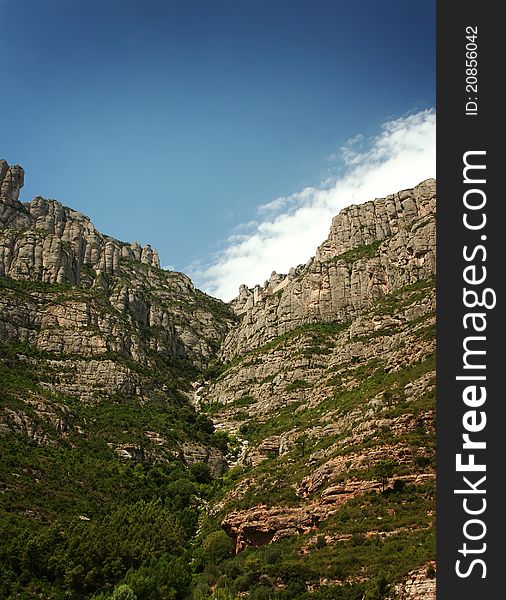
298, 384
395, 302
93, 520
360, 565
382, 534
26, 286
77, 521
365, 251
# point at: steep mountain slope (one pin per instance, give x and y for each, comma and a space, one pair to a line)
98, 351
96, 317
157, 443
329, 381
372, 249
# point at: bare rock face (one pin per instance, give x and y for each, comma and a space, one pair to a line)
125, 305
259, 525
11, 181
419, 585
372, 250
46, 241
364, 224
96, 320
197, 453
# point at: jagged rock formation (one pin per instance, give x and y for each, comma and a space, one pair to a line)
372, 250
122, 287
261, 524
95, 318
420, 584
330, 374
302, 400
45, 241
12, 180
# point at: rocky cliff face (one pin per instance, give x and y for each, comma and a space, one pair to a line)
114, 289
372, 250
96, 319
46, 241
328, 384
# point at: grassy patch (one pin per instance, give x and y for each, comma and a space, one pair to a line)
365, 251
298, 384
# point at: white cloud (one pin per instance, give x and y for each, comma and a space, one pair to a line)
290, 228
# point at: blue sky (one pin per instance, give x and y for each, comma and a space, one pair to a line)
171, 122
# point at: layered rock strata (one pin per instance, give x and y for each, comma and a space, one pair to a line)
372, 250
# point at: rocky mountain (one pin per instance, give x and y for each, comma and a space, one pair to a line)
96, 316
289, 434
329, 382
46, 241
372, 250
43, 241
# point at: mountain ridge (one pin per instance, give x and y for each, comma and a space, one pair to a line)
289, 433
402, 224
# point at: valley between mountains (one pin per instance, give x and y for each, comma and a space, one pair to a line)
157, 443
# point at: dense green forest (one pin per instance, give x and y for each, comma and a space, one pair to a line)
78, 522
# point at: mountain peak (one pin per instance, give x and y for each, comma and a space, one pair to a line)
47, 241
